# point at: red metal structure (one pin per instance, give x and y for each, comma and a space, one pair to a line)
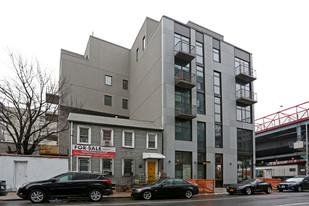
282, 118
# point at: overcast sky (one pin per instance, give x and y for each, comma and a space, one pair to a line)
276, 32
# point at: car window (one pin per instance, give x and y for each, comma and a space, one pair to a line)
179, 182
169, 182
296, 179
94, 176
260, 181
64, 177
82, 176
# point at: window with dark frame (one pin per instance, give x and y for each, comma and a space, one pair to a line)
183, 130
144, 43
136, 55
199, 53
124, 104
128, 167
216, 55
108, 80
107, 100
125, 84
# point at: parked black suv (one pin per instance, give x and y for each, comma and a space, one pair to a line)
297, 184
70, 184
3, 191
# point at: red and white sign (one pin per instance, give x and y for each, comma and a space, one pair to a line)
93, 151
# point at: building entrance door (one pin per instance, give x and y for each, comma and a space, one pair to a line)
151, 172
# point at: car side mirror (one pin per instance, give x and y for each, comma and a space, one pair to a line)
162, 184
53, 180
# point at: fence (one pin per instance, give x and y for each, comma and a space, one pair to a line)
204, 186
273, 182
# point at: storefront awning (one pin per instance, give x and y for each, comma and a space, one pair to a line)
153, 156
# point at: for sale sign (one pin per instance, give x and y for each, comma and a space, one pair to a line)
93, 151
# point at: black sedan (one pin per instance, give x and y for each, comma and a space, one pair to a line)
250, 186
296, 184
166, 188
71, 184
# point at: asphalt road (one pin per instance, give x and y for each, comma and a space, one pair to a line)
259, 199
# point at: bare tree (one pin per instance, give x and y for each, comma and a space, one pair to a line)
28, 115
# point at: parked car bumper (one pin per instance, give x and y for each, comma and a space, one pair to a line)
287, 187
108, 192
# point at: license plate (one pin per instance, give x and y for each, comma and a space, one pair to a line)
231, 190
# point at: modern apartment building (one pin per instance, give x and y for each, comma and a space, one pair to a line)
182, 77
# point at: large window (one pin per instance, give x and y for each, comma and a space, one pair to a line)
219, 170
218, 115
218, 136
201, 136
216, 54
183, 130
244, 168
244, 113
242, 66
107, 100
201, 167
200, 82
183, 101
216, 50
183, 73
182, 43
83, 134
151, 141
128, 139
127, 167
244, 141
199, 53
107, 137
200, 103
217, 83
183, 165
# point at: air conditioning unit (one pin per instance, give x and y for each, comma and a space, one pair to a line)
107, 143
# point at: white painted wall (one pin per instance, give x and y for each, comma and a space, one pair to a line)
16, 170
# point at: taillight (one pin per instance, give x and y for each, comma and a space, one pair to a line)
107, 181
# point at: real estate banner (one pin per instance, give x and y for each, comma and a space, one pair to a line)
93, 151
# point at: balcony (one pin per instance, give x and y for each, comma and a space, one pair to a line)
183, 79
244, 73
185, 111
246, 97
184, 53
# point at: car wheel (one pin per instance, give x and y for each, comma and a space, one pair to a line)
280, 190
298, 189
248, 191
37, 196
95, 195
147, 195
268, 190
188, 194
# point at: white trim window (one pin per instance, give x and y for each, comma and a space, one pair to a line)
127, 167
152, 141
83, 134
107, 166
128, 138
107, 137
108, 80
83, 164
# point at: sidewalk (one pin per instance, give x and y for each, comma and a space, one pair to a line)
12, 195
